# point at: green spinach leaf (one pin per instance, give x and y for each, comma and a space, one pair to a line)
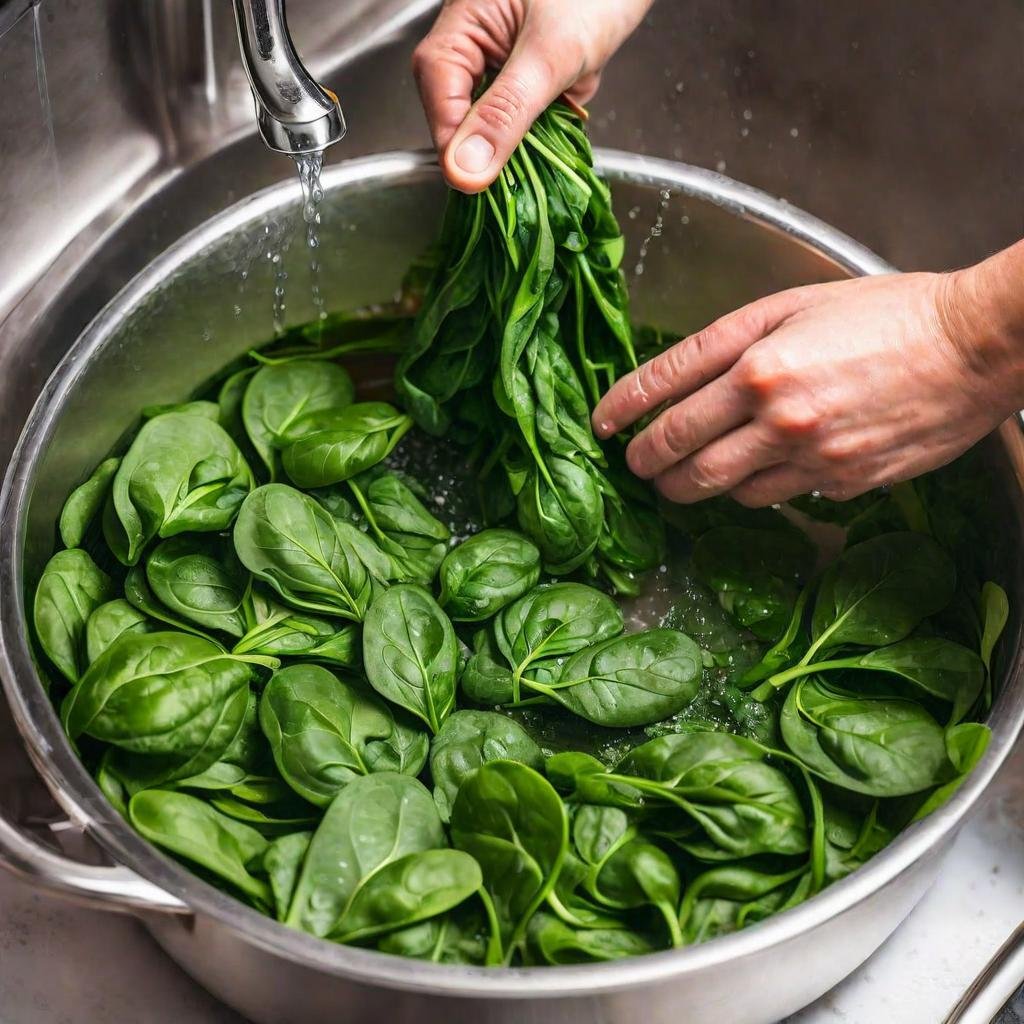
290, 541
374, 821
182, 473
85, 503
325, 732
279, 397
410, 654
511, 820
486, 573
469, 739
882, 747
71, 588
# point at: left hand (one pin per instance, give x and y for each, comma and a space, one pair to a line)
835, 388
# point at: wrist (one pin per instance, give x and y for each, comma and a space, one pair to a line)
982, 310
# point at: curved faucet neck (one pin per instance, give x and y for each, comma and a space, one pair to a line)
296, 114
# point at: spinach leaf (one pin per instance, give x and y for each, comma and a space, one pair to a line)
638, 874
878, 591
723, 784
279, 397
278, 631
266, 805
722, 898
485, 678
400, 525
199, 767
632, 541
328, 448
282, 862
756, 574
553, 621
629, 680
554, 942
410, 654
85, 502
196, 832
375, 820
110, 621
966, 744
562, 512
880, 747
487, 572
182, 473
995, 614
199, 407
198, 578
324, 732
229, 403
162, 694
287, 539
406, 891
71, 588
138, 594
469, 739
511, 820
932, 665
458, 937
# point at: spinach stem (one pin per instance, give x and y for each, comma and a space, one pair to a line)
780, 679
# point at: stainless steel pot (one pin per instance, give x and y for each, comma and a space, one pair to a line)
702, 244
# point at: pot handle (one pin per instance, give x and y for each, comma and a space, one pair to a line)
103, 888
994, 986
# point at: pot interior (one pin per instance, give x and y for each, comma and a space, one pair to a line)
697, 247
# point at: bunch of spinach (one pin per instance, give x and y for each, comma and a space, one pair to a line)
523, 326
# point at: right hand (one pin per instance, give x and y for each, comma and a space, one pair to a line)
544, 48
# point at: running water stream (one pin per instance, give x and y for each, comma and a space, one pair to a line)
309, 168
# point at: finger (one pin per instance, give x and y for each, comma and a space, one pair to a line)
720, 466
687, 426
585, 89
774, 486
499, 119
447, 64
686, 366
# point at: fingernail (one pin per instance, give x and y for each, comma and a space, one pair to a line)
474, 154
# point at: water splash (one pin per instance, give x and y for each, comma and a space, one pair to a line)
655, 231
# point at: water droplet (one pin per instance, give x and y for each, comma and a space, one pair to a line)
748, 115
794, 132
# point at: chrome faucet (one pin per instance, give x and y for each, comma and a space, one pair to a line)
296, 114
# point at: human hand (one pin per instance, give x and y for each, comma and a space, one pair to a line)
835, 388
544, 48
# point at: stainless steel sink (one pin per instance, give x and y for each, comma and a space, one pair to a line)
127, 124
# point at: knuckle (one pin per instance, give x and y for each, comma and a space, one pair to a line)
760, 372
707, 476
505, 103
421, 58
794, 419
839, 451
672, 435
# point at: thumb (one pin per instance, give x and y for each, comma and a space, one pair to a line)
500, 118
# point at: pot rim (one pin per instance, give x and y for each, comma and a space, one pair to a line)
80, 797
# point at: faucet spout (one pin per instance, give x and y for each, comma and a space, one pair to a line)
296, 114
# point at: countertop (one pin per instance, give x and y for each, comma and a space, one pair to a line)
61, 964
